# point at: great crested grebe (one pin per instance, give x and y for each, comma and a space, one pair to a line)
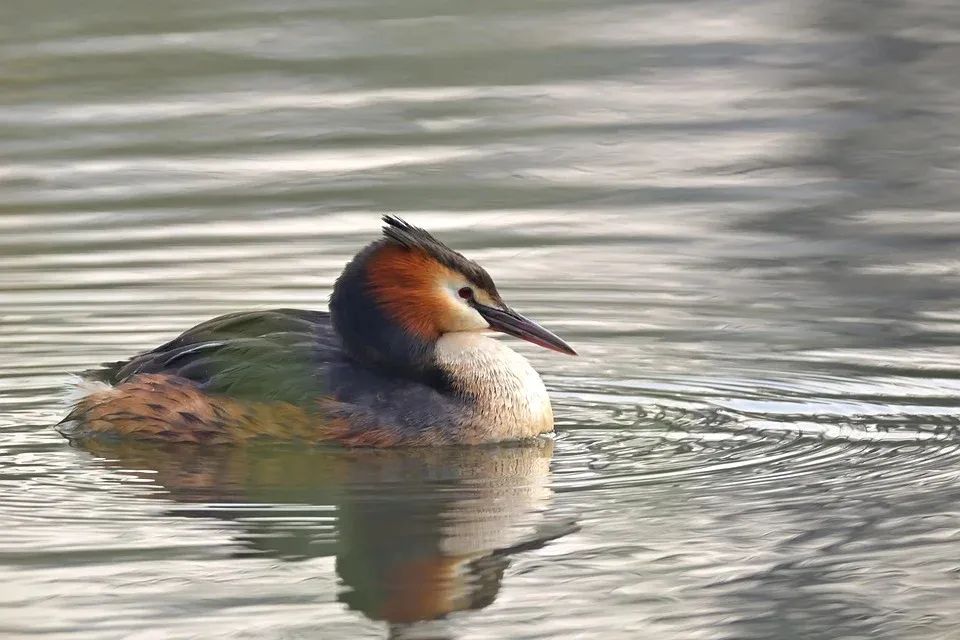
400, 359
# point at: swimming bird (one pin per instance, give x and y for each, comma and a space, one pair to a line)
401, 359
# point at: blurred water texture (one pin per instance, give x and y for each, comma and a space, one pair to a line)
743, 214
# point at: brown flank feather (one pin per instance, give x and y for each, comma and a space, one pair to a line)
172, 409
167, 408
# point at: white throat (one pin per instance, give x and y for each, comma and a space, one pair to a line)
511, 401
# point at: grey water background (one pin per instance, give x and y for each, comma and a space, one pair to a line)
744, 215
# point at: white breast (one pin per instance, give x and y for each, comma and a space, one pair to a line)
512, 402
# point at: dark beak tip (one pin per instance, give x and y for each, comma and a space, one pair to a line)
566, 350
554, 343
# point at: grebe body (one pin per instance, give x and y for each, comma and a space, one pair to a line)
401, 359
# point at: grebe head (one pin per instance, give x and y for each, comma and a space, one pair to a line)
401, 293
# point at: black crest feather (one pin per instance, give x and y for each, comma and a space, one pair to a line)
417, 239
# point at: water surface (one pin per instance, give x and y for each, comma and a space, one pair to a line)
742, 214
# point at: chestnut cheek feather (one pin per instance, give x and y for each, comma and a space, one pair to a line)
403, 282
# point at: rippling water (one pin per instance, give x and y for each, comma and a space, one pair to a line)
742, 214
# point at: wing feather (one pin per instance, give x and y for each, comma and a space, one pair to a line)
276, 355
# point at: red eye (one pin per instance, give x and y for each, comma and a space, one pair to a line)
466, 293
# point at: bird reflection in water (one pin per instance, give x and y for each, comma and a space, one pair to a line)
420, 533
